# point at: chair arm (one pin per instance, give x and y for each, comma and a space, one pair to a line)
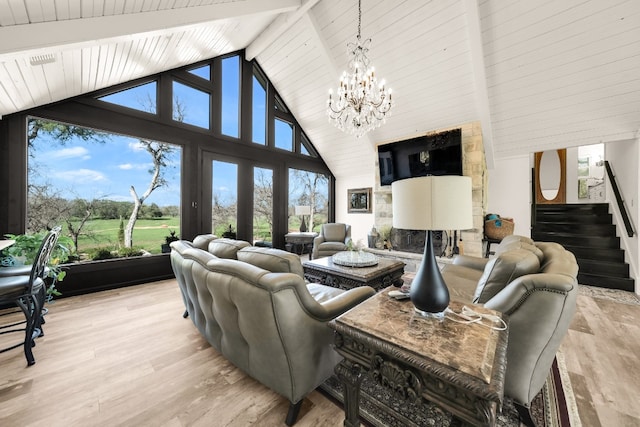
345, 301
21, 270
474, 262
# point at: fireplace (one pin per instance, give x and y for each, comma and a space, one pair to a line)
414, 240
474, 166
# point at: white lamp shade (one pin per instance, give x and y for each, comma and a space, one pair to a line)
433, 203
303, 210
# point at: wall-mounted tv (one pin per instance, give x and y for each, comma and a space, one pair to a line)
438, 154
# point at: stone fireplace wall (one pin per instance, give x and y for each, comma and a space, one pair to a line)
474, 166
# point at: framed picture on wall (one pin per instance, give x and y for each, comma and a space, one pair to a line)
359, 200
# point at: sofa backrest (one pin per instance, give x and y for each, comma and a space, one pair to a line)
557, 259
502, 270
335, 232
273, 260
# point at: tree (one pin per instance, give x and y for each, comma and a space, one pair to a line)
160, 152
76, 223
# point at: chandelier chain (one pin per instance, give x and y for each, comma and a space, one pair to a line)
362, 104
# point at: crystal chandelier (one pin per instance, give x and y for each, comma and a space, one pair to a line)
362, 103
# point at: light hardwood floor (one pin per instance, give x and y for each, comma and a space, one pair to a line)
127, 358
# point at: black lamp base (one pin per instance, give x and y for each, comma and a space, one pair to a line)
303, 226
429, 293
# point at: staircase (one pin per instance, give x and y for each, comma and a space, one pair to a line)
588, 232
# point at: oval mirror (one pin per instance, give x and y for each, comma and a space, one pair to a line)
549, 174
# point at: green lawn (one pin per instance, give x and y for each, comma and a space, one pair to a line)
148, 234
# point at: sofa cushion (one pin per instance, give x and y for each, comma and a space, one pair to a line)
202, 241
273, 260
334, 232
322, 293
226, 248
502, 270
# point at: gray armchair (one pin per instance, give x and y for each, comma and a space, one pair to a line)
334, 237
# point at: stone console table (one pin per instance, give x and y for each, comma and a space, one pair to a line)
459, 367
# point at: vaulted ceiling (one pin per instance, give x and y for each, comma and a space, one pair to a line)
538, 74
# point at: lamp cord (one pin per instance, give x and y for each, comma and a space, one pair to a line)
470, 316
359, 17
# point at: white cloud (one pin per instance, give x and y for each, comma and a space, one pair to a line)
81, 175
135, 146
70, 153
136, 166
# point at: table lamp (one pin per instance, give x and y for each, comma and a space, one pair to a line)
302, 211
431, 203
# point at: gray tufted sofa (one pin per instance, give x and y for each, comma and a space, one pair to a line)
253, 306
535, 284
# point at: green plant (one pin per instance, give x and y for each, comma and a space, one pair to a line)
26, 247
171, 237
101, 253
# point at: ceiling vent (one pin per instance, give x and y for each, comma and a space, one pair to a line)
47, 58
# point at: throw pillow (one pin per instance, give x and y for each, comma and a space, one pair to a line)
226, 248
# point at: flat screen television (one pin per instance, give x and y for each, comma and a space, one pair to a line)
438, 154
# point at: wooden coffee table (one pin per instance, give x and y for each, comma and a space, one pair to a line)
459, 367
384, 274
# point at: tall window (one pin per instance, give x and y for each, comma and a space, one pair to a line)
231, 96
262, 204
308, 189
114, 195
259, 111
224, 197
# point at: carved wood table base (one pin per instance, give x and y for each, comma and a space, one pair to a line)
456, 366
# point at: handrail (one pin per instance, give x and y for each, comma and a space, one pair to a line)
619, 199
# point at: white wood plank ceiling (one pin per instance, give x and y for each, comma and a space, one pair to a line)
538, 74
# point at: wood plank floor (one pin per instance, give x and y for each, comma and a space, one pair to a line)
127, 358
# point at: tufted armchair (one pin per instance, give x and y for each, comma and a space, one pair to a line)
333, 238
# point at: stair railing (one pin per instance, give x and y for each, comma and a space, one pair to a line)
619, 200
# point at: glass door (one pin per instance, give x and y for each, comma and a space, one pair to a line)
262, 206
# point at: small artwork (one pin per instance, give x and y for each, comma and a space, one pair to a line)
583, 166
359, 200
583, 189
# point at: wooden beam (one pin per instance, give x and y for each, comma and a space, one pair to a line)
19, 38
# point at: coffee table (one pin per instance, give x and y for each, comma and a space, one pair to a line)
385, 273
459, 367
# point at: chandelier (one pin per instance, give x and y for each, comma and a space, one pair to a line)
361, 103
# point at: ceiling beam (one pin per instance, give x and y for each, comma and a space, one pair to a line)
281, 24
480, 77
20, 38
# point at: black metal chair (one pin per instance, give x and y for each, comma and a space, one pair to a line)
26, 288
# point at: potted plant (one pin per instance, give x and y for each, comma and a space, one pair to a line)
25, 249
168, 239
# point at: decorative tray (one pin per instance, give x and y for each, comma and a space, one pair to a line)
355, 259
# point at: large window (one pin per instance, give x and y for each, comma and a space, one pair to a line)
114, 195
172, 155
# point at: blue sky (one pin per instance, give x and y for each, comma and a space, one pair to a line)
92, 170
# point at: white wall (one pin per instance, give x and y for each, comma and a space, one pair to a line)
361, 223
510, 191
624, 158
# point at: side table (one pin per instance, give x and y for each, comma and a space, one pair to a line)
460, 367
298, 241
